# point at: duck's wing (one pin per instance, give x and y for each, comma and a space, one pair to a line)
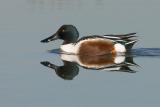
126, 39
120, 36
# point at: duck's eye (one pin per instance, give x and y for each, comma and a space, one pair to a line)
63, 30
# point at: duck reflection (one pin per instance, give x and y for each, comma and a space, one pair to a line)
68, 71
108, 62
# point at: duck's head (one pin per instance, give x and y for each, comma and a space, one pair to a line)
68, 33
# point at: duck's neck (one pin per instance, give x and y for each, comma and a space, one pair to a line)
72, 40
65, 42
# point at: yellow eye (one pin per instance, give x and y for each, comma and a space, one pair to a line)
63, 30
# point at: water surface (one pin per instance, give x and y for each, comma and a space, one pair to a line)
27, 83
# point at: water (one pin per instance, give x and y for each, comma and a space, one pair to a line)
27, 83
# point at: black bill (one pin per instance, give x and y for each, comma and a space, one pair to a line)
51, 38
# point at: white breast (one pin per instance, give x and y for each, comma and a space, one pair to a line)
69, 48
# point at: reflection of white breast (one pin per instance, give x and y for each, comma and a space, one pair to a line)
96, 62
70, 58
119, 59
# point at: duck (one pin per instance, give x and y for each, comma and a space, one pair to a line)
92, 45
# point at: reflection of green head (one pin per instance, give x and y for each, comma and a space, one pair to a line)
68, 71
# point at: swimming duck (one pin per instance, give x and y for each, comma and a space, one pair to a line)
91, 45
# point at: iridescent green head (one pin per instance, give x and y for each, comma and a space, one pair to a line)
68, 33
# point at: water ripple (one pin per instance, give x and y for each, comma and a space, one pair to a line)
146, 52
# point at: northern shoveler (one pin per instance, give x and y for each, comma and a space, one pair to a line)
91, 45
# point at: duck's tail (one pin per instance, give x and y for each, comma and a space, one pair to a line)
129, 44
127, 39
